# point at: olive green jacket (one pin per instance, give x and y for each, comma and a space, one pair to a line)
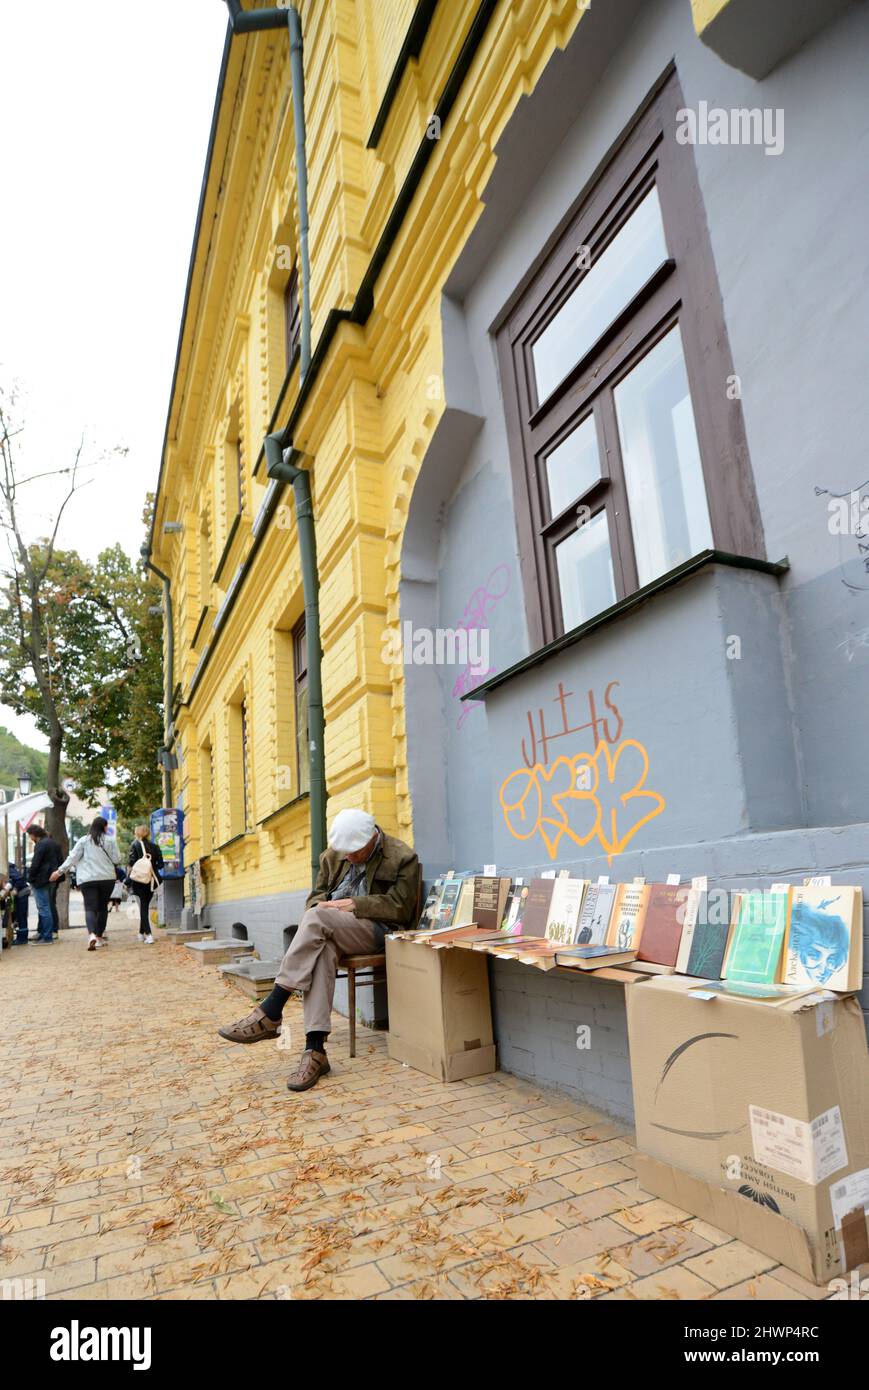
392, 877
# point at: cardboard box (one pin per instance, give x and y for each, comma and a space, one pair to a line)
440, 1013
756, 1118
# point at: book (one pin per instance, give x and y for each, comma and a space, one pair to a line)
536, 910
592, 957
756, 945
529, 951
762, 994
626, 923
506, 941
489, 899
448, 902
705, 933
824, 938
516, 896
463, 913
562, 923
451, 936
594, 919
662, 925
430, 906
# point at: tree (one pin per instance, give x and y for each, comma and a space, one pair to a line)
112, 741
78, 651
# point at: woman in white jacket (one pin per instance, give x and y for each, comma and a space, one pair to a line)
95, 857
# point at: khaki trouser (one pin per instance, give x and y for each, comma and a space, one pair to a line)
311, 963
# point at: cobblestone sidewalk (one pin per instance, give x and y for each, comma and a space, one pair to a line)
142, 1157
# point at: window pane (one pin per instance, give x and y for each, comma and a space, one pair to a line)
573, 466
620, 271
661, 457
585, 572
302, 738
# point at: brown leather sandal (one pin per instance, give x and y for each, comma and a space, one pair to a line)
254, 1027
311, 1067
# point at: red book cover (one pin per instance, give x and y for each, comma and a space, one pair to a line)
662, 928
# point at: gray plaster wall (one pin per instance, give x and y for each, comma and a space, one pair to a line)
761, 760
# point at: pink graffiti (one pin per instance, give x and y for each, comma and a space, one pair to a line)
476, 613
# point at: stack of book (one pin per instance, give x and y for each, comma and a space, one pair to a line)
760, 944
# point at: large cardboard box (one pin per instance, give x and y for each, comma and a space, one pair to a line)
756, 1118
440, 1013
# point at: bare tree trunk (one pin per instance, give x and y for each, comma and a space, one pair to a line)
55, 817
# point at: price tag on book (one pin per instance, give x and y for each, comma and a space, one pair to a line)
603, 878
639, 879
819, 881
674, 880
548, 873
700, 881
780, 888
488, 871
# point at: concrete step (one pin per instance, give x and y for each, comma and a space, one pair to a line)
218, 952
181, 937
253, 978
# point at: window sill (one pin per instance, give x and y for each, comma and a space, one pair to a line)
625, 605
235, 840
295, 801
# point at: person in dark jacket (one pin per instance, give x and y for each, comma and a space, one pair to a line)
47, 855
18, 883
144, 853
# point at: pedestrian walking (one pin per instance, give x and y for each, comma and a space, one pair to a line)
47, 856
145, 874
95, 858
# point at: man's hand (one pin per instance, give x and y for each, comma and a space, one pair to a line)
55, 876
345, 904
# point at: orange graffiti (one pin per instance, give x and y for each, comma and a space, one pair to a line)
566, 799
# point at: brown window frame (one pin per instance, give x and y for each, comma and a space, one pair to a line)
683, 290
245, 752
292, 316
239, 476
300, 684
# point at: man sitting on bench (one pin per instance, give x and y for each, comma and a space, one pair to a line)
368, 884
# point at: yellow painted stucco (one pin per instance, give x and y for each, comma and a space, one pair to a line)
704, 11
367, 422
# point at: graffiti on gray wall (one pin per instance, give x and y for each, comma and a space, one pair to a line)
580, 796
476, 617
848, 519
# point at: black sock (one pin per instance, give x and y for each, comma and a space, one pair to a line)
315, 1042
273, 1004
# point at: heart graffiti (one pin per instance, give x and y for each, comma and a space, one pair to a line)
580, 797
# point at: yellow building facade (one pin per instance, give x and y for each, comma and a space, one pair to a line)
394, 190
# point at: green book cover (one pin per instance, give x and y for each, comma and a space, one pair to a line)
757, 943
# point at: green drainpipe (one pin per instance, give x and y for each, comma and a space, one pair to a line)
169, 675
286, 470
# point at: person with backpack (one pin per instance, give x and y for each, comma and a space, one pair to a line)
94, 857
146, 867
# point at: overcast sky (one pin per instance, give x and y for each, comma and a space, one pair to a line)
105, 109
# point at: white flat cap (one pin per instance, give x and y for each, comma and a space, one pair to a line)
350, 831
